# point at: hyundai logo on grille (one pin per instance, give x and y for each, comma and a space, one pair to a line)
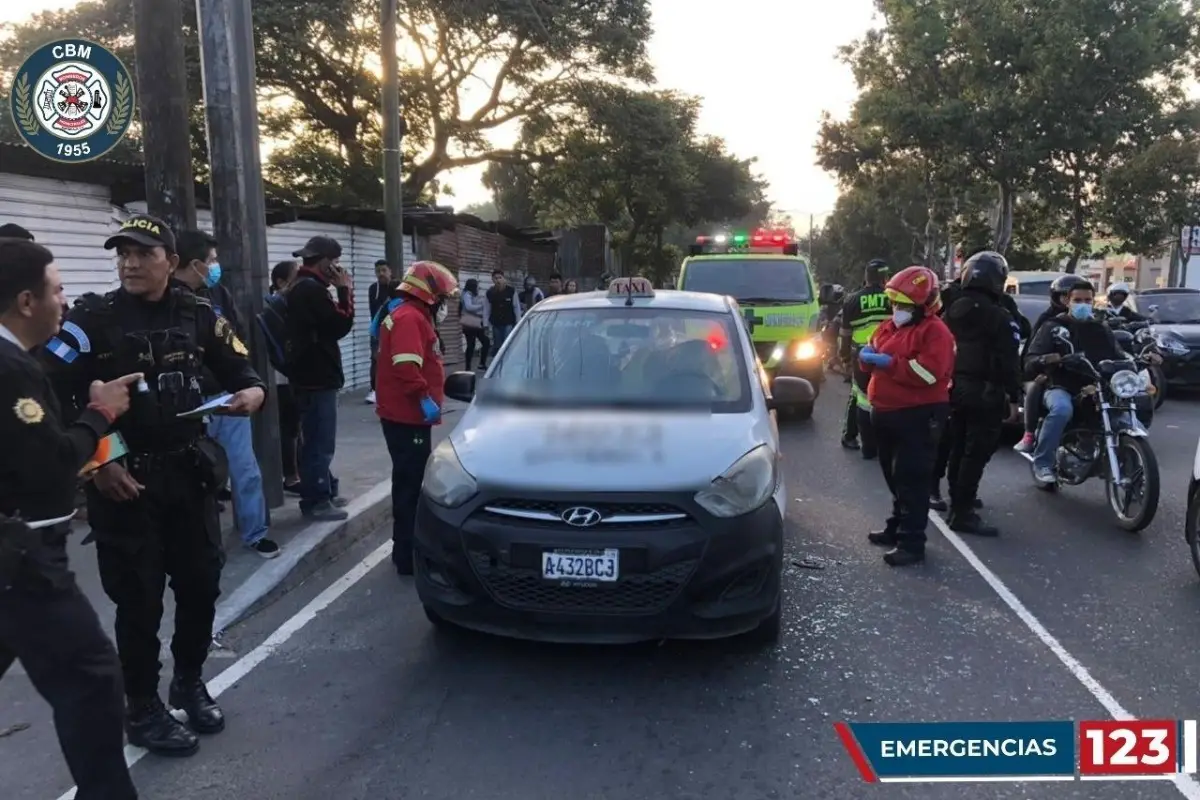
581, 517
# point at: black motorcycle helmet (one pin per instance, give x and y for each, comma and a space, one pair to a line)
876, 272
1063, 287
987, 271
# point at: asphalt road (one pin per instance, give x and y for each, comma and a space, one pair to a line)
367, 701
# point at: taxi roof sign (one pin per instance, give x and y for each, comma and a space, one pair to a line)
629, 288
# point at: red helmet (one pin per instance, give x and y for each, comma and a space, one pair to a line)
429, 281
914, 286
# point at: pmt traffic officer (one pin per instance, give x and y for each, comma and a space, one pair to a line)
154, 516
862, 313
45, 620
987, 383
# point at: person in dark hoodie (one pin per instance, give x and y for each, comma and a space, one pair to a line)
1059, 291
200, 272
317, 323
987, 382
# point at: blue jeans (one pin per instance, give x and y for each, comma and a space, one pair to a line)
1059, 410
499, 334
318, 434
245, 478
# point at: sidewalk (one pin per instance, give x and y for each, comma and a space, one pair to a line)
250, 582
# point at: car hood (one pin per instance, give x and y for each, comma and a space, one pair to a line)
1188, 334
553, 450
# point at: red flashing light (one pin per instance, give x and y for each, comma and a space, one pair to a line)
702, 240
717, 339
771, 238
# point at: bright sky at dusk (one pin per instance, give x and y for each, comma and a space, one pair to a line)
764, 68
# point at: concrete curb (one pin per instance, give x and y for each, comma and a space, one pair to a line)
306, 553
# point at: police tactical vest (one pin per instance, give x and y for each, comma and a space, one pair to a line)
172, 360
871, 309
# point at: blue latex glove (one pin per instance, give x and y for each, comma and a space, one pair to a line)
881, 360
431, 410
867, 350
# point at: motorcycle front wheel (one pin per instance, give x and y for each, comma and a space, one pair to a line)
1159, 379
1140, 483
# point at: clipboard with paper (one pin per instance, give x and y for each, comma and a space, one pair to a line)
216, 406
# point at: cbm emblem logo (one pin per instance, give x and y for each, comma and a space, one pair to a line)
72, 100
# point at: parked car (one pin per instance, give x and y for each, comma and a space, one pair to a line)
1174, 315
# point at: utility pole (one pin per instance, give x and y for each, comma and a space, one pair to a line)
393, 132
812, 238
238, 204
163, 102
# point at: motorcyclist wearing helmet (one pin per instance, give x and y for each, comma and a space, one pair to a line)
1118, 296
1059, 290
409, 391
950, 293
862, 313
1088, 336
910, 359
987, 384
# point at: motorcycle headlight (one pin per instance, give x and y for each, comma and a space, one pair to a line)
1126, 384
446, 482
777, 354
743, 487
1170, 344
806, 351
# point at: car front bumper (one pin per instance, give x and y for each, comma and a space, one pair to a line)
1182, 370
694, 578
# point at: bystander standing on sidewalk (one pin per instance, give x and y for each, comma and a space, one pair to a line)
555, 286
411, 392
503, 309
282, 275
200, 272
571, 287
318, 323
377, 294
474, 318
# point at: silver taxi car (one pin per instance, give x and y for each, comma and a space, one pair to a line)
616, 478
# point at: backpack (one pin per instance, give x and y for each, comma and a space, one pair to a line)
274, 322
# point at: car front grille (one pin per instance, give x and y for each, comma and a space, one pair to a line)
524, 589
543, 513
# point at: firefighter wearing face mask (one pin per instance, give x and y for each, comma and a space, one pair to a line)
409, 390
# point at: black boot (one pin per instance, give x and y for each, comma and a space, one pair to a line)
936, 501
190, 695
148, 725
402, 560
849, 444
900, 557
969, 522
883, 538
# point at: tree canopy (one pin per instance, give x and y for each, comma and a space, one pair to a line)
1038, 119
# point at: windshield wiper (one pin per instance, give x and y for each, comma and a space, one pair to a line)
781, 301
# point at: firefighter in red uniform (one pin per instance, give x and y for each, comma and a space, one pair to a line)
409, 391
911, 361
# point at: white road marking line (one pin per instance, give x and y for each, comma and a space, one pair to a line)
246, 664
1186, 784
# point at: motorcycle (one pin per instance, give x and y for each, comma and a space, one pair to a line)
1106, 438
1138, 338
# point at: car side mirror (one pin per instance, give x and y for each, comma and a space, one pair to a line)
787, 391
460, 386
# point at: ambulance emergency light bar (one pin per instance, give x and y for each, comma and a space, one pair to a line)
759, 241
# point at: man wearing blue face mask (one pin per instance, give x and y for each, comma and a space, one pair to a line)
1088, 336
200, 272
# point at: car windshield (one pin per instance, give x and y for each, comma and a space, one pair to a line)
622, 357
1175, 309
751, 280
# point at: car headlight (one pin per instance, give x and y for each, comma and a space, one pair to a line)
1126, 384
446, 482
777, 354
1170, 344
806, 351
742, 488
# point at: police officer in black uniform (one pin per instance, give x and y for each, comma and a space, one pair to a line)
45, 620
951, 292
862, 312
154, 516
987, 382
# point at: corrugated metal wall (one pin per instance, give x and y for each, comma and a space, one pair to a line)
72, 219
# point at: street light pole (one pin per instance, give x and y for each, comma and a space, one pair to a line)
238, 204
393, 131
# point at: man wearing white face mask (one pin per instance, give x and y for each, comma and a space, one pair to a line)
409, 390
200, 272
